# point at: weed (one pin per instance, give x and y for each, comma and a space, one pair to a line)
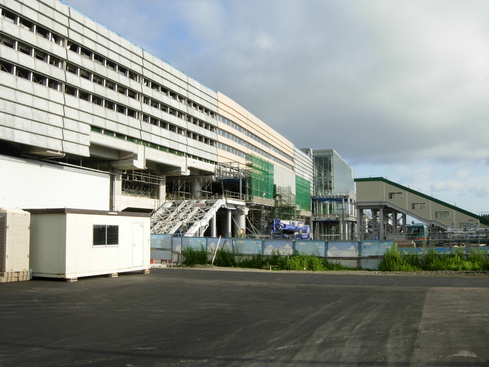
194, 257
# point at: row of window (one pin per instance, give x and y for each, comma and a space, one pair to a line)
93, 56
11, 17
85, 52
439, 214
252, 147
72, 68
29, 75
172, 111
252, 136
98, 100
29, 50
148, 144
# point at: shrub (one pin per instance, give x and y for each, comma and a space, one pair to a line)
225, 258
194, 257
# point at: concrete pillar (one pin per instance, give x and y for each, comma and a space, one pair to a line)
162, 190
196, 189
360, 224
228, 229
213, 226
394, 222
404, 218
381, 223
239, 220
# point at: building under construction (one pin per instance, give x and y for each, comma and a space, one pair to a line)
89, 120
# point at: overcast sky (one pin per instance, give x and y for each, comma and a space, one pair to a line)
398, 88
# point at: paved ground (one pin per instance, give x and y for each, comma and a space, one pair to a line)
191, 317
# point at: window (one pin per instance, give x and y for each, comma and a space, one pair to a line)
418, 206
121, 109
86, 53
105, 235
111, 65
109, 85
24, 23
72, 68
55, 61
84, 95
442, 214
70, 90
9, 16
132, 113
97, 79
25, 49
122, 70
98, 59
38, 78
54, 84
42, 31
85, 74
7, 41
74, 47
40, 55
21, 72
395, 195
132, 94
97, 100
110, 105
7, 67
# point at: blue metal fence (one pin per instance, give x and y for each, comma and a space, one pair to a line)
367, 253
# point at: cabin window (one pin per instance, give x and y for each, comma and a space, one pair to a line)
105, 235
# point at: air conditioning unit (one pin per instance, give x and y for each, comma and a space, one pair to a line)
14, 245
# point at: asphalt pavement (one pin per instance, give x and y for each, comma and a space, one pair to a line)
202, 317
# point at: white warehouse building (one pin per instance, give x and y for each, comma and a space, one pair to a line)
91, 121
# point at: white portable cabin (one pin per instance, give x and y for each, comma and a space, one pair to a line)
14, 245
71, 243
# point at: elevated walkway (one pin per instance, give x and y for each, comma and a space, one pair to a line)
188, 217
378, 193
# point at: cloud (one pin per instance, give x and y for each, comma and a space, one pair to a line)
398, 88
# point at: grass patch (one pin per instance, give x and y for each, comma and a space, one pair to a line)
473, 260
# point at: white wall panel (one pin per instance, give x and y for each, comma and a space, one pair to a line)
28, 184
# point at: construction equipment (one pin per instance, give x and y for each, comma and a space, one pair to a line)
295, 230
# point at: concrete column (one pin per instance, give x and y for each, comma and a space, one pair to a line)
162, 190
213, 226
239, 220
228, 229
394, 222
196, 189
381, 224
359, 224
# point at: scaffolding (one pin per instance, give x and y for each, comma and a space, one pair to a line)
303, 193
141, 183
260, 178
285, 204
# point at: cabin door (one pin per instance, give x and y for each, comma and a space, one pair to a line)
137, 244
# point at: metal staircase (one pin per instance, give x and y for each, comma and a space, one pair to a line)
189, 217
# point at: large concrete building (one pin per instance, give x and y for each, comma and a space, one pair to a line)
89, 120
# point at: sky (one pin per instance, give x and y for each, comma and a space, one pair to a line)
398, 88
